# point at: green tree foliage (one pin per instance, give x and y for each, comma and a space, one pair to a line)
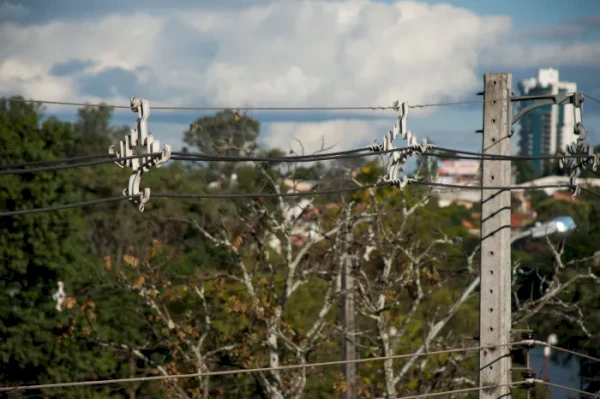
37, 251
94, 130
225, 133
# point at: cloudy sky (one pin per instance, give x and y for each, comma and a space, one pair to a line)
296, 53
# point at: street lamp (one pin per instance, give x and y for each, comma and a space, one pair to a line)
559, 226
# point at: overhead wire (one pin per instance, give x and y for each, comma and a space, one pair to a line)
246, 371
194, 196
549, 384
565, 350
58, 161
591, 98
478, 187
99, 159
307, 365
277, 195
65, 206
462, 390
590, 192
393, 107
187, 156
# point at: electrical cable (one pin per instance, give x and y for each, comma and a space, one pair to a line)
276, 195
57, 167
194, 196
558, 348
272, 195
591, 98
479, 155
463, 390
186, 156
590, 192
66, 206
55, 161
242, 108
246, 371
355, 153
549, 384
468, 187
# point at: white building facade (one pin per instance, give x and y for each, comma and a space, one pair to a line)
549, 129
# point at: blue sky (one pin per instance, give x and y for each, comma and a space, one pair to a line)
296, 53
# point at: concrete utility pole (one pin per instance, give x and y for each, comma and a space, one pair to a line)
348, 344
495, 292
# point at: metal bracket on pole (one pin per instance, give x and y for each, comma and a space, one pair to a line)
540, 101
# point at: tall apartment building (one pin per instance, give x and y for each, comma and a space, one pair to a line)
549, 129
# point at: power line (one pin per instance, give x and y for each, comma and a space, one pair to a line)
479, 155
195, 196
469, 187
59, 167
205, 108
275, 195
270, 108
590, 192
66, 206
186, 156
355, 153
56, 161
567, 388
558, 348
244, 371
455, 391
591, 98
272, 195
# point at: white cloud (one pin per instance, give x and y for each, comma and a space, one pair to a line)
282, 53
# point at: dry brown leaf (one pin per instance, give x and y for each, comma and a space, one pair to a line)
139, 282
155, 249
108, 263
238, 241
69, 302
131, 260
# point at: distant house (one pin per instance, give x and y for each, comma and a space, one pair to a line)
556, 193
299, 185
556, 180
459, 172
